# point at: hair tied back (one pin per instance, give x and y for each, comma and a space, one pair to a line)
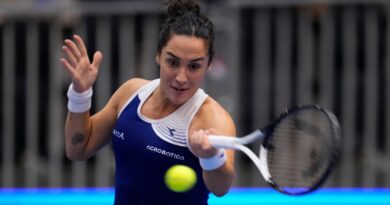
177, 8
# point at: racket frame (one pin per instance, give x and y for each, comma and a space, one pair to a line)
235, 143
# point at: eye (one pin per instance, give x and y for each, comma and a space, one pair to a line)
173, 62
194, 66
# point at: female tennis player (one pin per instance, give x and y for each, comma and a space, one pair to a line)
155, 124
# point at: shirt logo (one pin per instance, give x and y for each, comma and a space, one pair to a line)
164, 152
118, 134
222, 155
171, 131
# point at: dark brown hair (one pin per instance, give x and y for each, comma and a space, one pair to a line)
184, 18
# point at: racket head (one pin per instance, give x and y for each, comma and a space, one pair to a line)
300, 149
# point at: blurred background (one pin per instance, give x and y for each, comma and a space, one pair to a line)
270, 55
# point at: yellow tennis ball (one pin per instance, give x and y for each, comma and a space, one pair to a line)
180, 178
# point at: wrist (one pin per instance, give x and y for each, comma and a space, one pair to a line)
79, 102
214, 162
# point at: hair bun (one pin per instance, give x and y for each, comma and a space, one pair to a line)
181, 7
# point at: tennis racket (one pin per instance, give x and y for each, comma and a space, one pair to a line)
298, 151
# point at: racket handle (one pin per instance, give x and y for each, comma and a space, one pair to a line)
219, 141
228, 142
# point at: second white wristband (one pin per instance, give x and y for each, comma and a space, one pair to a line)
79, 102
214, 162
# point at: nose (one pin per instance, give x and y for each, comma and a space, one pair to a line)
181, 76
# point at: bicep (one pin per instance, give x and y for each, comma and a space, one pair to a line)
103, 122
101, 128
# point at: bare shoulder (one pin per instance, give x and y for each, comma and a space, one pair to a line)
212, 115
133, 84
127, 89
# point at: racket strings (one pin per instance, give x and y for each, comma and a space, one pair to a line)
298, 150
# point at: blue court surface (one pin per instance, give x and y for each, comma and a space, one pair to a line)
236, 196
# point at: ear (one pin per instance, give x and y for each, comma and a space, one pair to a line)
209, 67
158, 58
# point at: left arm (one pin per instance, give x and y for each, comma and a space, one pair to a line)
213, 119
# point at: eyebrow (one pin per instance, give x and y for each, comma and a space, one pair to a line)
193, 60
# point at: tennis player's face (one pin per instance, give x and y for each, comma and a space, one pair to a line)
183, 64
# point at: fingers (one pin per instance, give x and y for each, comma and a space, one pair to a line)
74, 50
198, 137
70, 57
97, 59
200, 145
77, 63
67, 66
80, 45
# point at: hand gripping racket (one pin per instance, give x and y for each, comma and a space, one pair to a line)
299, 149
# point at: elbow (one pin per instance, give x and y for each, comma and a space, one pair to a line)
223, 189
75, 156
221, 193
224, 185
75, 153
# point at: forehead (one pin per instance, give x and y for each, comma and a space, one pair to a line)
182, 45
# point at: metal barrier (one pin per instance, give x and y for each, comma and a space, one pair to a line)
269, 56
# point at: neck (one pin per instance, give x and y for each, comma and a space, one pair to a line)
159, 105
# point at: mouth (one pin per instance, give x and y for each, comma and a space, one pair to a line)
178, 89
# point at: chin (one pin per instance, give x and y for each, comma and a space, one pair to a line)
179, 99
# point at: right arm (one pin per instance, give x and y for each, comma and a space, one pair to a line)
86, 134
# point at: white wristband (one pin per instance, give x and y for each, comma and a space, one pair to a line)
79, 102
214, 162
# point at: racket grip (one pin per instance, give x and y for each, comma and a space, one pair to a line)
219, 141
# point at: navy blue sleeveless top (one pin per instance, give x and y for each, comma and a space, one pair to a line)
144, 149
